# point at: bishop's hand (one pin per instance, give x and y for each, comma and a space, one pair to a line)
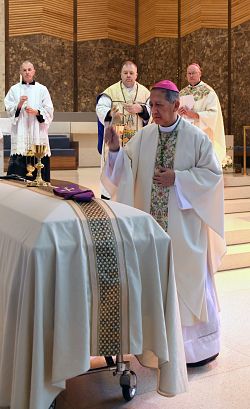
115, 114
164, 177
112, 139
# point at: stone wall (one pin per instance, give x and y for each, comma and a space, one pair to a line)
158, 59
99, 65
53, 61
240, 81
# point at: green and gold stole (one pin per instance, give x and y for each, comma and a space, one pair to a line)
165, 155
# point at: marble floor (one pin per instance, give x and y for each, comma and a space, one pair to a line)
223, 384
88, 177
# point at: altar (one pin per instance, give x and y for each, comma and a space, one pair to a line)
59, 304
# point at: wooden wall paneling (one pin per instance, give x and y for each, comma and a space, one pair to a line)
110, 19
92, 19
240, 12
198, 14
24, 21
121, 21
147, 20
158, 18
214, 13
114, 20
190, 16
51, 18
58, 19
166, 18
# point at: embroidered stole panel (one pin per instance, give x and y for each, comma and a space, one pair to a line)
109, 322
198, 92
165, 155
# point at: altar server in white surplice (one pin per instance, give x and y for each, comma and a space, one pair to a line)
29, 105
169, 169
205, 111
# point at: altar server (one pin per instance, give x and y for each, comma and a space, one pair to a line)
30, 108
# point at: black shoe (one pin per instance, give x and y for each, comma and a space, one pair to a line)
105, 197
203, 362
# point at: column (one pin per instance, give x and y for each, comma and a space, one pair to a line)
2, 53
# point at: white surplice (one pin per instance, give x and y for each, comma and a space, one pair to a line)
26, 130
197, 227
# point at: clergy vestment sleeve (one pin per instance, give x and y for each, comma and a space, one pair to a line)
183, 203
117, 177
17, 112
11, 104
208, 117
146, 112
46, 108
103, 107
114, 167
40, 118
202, 184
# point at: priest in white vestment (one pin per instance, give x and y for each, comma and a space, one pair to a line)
30, 108
124, 103
205, 110
169, 169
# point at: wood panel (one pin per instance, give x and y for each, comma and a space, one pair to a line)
110, 19
167, 18
147, 20
197, 14
58, 19
115, 19
158, 18
214, 13
190, 16
24, 22
121, 21
92, 21
240, 12
52, 18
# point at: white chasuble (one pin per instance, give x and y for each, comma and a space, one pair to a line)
197, 232
207, 105
26, 130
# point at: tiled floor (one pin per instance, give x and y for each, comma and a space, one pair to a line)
88, 177
224, 384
